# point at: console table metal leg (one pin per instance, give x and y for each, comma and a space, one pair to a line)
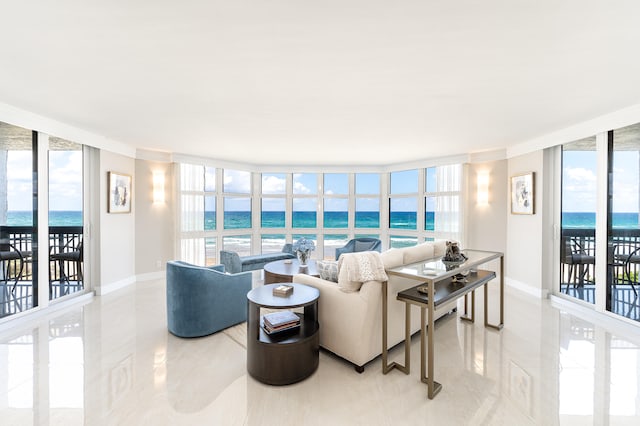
486, 311
465, 316
426, 339
386, 367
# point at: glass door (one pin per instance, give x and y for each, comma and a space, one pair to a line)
623, 264
18, 270
65, 218
578, 220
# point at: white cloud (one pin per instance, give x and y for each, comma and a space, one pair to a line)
580, 174
300, 188
237, 181
273, 185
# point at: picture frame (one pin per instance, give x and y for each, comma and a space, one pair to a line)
119, 193
523, 193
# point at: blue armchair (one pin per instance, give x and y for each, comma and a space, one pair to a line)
203, 300
360, 244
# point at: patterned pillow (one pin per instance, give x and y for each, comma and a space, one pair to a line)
328, 270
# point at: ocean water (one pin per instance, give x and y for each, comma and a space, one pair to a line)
398, 220
242, 220
56, 218
582, 220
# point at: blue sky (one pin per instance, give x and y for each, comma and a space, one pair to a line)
579, 179
65, 180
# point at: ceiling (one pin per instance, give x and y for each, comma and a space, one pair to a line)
348, 82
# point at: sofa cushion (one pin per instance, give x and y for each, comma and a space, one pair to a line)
417, 253
328, 270
392, 258
439, 248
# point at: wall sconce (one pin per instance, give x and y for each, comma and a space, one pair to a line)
483, 188
158, 187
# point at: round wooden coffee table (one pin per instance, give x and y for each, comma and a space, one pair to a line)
290, 356
282, 272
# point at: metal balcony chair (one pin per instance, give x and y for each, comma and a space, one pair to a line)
69, 261
577, 259
13, 262
629, 261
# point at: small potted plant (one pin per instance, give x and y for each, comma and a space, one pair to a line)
303, 248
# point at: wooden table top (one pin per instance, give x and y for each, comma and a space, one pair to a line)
279, 267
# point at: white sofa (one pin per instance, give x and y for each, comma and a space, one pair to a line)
351, 323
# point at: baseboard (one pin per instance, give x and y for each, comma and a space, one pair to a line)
110, 288
150, 276
539, 293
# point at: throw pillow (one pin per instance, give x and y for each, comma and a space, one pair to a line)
328, 270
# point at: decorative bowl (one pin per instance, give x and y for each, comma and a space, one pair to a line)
452, 263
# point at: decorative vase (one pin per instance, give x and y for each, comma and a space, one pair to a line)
303, 257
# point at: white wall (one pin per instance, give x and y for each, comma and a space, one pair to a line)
154, 222
117, 231
486, 228
523, 257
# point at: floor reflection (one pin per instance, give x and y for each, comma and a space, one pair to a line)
112, 361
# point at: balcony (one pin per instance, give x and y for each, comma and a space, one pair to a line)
577, 268
18, 292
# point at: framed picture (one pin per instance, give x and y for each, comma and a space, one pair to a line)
119, 193
522, 194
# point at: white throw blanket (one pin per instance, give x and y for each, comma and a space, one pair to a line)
363, 266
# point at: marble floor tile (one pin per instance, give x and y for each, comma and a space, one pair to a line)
112, 362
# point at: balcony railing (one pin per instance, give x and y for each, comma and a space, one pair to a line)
577, 268
16, 280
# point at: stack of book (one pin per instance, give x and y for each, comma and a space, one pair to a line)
277, 322
282, 290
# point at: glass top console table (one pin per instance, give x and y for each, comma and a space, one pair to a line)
439, 284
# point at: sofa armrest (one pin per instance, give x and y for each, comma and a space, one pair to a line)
348, 321
231, 261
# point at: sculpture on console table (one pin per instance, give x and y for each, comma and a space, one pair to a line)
453, 258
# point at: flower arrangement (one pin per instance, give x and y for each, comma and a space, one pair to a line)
303, 248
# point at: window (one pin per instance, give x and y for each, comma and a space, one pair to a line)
623, 230
304, 213
305, 183
237, 182
578, 206
65, 218
273, 213
402, 213
367, 190
442, 209
17, 151
274, 183
367, 212
336, 212
237, 213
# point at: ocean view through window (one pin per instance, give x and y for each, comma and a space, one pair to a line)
329, 208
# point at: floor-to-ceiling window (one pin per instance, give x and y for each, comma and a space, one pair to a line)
273, 209
587, 218
623, 232
578, 219
260, 213
65, 218
403, 207
335, 216
18, 272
